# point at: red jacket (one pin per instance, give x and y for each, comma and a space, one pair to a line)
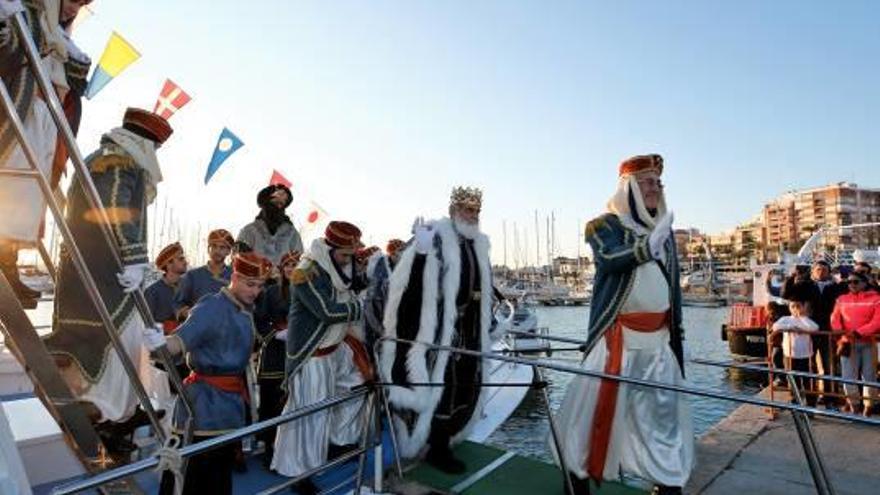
859, 313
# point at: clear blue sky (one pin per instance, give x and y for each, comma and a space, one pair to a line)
376, 109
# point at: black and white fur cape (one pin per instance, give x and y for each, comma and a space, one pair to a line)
438, 275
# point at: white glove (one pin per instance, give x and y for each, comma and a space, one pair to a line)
281, 335
132, 276
424, 238
661, 232
9, 8
154, 337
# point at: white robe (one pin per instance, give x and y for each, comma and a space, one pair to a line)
652, 433
22, 205
301, 445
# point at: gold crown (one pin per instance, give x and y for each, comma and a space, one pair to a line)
466, 196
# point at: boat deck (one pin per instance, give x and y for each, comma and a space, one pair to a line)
493, 471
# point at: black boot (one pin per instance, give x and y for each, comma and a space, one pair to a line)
9, 265
443, 459
580, 486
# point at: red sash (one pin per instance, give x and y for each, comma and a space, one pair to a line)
228, 383
361, 357
170, 326
359, 351
606, 402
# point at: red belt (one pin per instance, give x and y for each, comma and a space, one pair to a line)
228, 383
606, 402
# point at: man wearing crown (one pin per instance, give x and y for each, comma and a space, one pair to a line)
325, 355
440, 291
217, 339
614, 428
125, 173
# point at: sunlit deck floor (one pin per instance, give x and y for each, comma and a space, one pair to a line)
494, 471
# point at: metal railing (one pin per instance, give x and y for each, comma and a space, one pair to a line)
811, 382
218, 441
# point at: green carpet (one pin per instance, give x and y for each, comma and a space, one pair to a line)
518, 475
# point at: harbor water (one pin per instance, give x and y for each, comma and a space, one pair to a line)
527, 430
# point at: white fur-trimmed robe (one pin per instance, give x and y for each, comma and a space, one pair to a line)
423, 401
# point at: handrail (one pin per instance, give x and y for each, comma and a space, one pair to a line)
784, 372
200, 447
95, 203
637, 381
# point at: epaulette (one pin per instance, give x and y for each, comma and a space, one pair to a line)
594, 225
102, 163
305, 272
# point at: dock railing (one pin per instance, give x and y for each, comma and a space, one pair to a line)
821, 374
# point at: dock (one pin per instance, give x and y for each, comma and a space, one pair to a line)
748, 452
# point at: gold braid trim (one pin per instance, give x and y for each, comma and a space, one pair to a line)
103, 163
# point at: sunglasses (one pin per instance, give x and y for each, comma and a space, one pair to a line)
854, 282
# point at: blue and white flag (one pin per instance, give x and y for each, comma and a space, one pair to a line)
227, 144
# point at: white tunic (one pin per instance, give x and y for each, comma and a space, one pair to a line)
652, 432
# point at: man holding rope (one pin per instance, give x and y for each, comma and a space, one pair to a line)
635, 331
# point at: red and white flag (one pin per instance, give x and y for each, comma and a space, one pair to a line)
277, 178
316, 219
171, 99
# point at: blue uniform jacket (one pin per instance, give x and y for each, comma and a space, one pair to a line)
217, 337
198, 283
160, 299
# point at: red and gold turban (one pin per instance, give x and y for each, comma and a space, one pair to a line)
167, 255
221, 236
642, 163
251, 265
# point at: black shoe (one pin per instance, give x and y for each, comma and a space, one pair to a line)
334, 451
445, 461
580, 486
305, 487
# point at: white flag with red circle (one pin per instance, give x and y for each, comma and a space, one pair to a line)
171, 99
316, 219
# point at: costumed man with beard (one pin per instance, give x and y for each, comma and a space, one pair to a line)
613, 428
446, 271
270, 320
160, 294
22, 205
272, 234
125, 173
217, 339
325, 355
208, 279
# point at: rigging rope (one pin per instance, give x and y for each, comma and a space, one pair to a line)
170, 460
